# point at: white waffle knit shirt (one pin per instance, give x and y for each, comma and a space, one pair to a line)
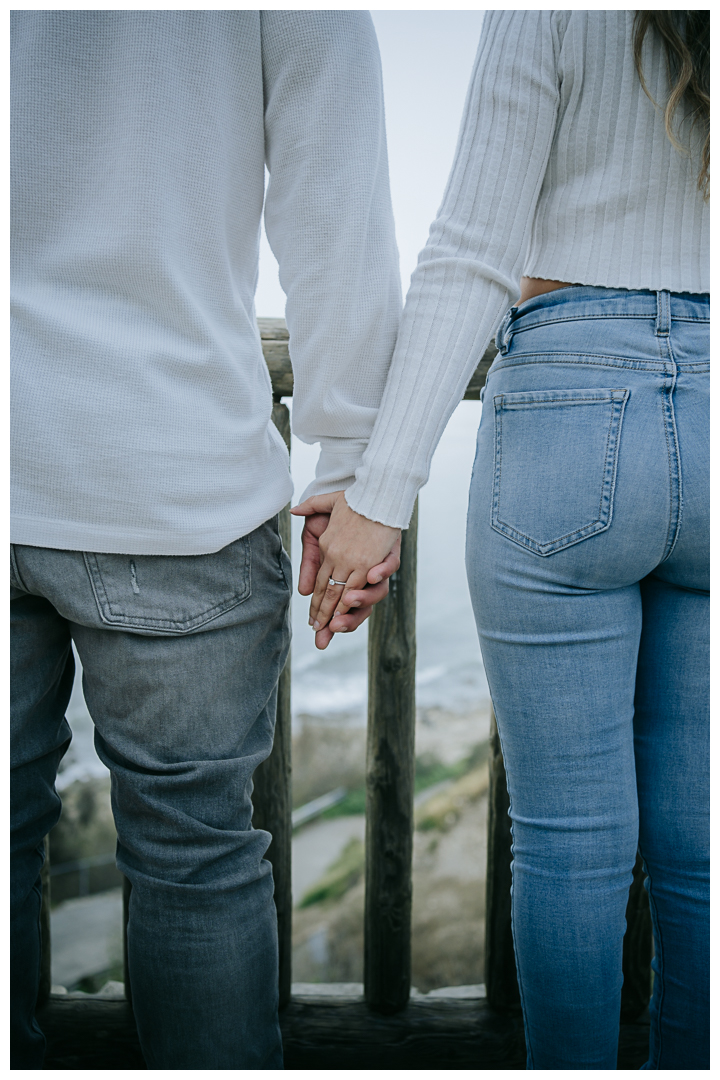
563, 171
141, 403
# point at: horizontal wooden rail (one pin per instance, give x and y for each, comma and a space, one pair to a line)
321, 1031
275, 342
386, 1028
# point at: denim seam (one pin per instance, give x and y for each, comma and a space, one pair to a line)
607, 489
658, 366
674, 467
678, 459
176, 626
591, 318
592, 359
532, 400
15, 570
497, 464
659, 957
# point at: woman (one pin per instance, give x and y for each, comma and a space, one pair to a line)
582, 166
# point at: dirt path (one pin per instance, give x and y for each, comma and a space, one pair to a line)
448, 914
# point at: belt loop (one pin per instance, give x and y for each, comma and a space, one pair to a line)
503, 336
662, 322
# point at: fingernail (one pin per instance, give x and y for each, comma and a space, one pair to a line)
341, 630
310, 622
316, 625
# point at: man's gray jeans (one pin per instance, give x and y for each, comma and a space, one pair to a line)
181, 657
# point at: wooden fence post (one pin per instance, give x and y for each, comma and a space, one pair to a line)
501, 983
272, 797
390, 783
126, 890
45, 942
637, 949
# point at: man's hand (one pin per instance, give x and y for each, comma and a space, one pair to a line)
344, 546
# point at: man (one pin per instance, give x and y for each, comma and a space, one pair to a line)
147, 474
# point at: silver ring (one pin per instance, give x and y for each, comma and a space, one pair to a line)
332, 581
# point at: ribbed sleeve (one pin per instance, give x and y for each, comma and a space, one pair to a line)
563, 171
470, 268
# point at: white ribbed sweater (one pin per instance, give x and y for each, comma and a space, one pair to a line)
141, 403
563, 171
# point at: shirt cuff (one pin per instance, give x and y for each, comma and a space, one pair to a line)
335, 470
389, 503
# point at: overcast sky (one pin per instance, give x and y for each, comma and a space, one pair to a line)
427, 58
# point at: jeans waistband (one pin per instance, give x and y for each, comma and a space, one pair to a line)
592, 302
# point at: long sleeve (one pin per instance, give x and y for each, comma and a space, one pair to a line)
329, 221
469, 271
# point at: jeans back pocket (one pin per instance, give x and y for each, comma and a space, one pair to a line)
555, 463
169, 594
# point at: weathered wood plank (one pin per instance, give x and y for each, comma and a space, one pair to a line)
637, 949
272, 796
90, 1034
426, 1034
126, 890
318, 1033
472, 392
390, 780
45, 941
500, 973
633, 1045
272, 330
274, 337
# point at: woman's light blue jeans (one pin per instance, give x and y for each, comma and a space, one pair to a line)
587, 554
181, 656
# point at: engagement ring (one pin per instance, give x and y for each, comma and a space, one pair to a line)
332, 581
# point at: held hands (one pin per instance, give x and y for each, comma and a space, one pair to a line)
344, 547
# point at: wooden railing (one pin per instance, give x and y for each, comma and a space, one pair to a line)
385, 1027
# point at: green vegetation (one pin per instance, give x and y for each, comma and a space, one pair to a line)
345, 872
353, 803
428, 771
443, 809
469, 782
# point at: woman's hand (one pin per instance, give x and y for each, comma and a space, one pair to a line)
353, 550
